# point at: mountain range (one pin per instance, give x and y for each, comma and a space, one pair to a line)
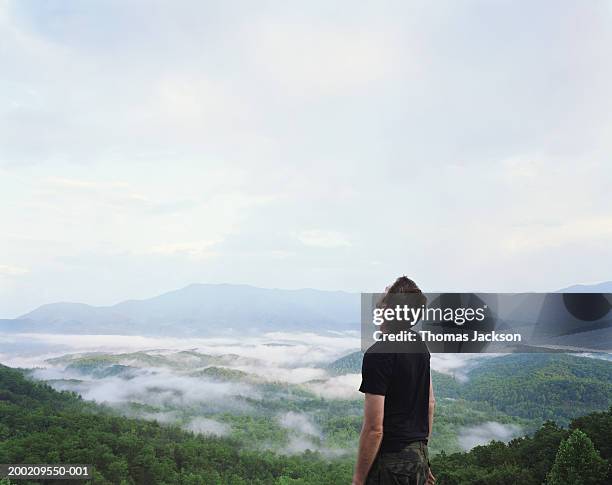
605, 287
200, 310
207, 309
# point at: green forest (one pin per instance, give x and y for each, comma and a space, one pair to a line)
41, 425
537, 459
538, 387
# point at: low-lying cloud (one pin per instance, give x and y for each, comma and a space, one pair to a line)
457, 365
339, 387
304, 435
207, 426
481, 434
282, 349
159, 387
300, 423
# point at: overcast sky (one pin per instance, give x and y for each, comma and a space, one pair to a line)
147, 145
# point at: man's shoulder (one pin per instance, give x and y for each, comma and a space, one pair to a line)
414, 346
378, 355
375, 348
381, 348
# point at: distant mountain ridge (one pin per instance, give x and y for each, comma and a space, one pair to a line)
211, 309
200, 310
604, 287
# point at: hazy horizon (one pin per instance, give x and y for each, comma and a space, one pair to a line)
243, 285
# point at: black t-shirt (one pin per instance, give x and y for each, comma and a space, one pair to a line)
403, 378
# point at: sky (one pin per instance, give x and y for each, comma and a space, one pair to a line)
147, 145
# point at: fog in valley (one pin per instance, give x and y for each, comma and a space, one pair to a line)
281, 391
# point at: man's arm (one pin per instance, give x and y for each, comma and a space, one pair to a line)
432, 405
371, 436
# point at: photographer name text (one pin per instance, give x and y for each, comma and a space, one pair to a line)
427, 336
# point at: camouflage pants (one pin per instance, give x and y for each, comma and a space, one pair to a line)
409, 466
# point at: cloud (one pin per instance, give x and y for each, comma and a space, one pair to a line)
313, 59
339, 387
168, 389
299, 444
275, 349
597, 356
196, 103
457, 365
294, 375
208, 427
198, 250
536, 237
386, 130
170, 417
471, 436
304, 435
84, 185
300, 423
175, 393
92, 194
323, 239
283, 349
10, 270
296, 358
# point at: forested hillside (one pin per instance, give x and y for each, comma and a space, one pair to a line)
542, 386
41, 425
530, 386
530, 460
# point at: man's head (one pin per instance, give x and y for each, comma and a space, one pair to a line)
403, 292
402, 287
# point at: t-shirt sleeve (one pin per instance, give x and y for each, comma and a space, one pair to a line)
376, 372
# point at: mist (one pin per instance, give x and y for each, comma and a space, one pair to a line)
207, 427
471, 436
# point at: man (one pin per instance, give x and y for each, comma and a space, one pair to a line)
399, 402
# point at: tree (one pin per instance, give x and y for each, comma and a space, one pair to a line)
577, 462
